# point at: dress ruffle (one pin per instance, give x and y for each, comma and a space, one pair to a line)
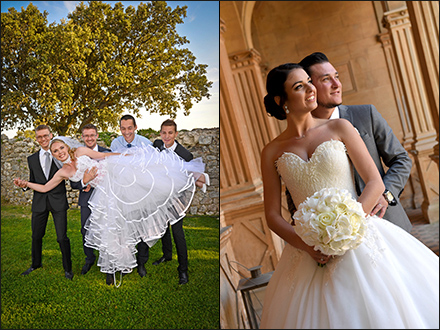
138, 193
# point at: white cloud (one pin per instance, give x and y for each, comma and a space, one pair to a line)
70, 5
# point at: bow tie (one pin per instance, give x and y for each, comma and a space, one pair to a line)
129, 145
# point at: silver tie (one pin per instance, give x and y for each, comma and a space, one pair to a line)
47, 164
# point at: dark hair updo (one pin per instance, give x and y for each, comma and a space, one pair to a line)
275, 87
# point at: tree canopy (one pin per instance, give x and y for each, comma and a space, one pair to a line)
96, 65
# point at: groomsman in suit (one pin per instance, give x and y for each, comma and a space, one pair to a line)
42, 168
168, 134
129, 139
90, 136
378, 136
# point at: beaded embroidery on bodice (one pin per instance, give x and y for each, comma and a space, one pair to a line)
85, 162
329, 166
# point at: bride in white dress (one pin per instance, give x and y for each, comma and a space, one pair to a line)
390, 281
137, 194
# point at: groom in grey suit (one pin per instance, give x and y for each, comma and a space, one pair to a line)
378, 136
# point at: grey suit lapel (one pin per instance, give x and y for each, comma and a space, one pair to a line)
344, 113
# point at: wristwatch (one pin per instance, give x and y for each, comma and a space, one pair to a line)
389, 197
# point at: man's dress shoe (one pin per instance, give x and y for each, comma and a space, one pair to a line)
28, 271
109, 280
160, 260
69, 275
141, 270
86, 268
183, 277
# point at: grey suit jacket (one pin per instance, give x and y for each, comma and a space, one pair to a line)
384, 146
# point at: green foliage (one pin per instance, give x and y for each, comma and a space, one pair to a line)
29, 133
94, 66
148, 133
45, 299
107, 137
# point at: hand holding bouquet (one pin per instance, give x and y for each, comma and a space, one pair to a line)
331, 220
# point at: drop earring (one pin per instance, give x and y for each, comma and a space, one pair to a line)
287, 110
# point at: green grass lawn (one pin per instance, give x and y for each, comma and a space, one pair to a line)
45, 299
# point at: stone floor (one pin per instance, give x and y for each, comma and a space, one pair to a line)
424, 231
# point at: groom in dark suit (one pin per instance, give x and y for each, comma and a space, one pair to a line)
90, 136
168, 134
378, 136
42, 168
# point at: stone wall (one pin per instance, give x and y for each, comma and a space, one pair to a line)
201, 142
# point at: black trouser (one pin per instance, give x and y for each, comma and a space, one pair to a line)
143, 253
90, 255
39, 222
179, 240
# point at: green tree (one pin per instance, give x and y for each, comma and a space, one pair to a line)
101, 62
29, 133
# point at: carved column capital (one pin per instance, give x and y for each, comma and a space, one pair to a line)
222, 26
384, 39
244, 59
395, 18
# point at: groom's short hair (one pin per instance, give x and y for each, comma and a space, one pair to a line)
40, 127
312, 59
89, 126
127, 117
169, 122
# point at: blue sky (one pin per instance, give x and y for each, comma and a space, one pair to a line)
201, 27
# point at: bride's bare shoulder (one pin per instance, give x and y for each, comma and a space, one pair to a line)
273, 150
67, 170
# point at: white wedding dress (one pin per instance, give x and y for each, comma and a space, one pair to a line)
391, 281
137, 194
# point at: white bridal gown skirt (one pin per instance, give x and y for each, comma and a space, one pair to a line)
391, 281
143, 191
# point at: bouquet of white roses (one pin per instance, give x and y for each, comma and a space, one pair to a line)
331, 220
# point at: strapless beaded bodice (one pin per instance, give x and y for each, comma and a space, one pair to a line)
329, 166
85, 162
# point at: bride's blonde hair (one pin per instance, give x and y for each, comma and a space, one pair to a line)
70, 151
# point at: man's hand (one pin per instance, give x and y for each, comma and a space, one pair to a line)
380, 207
20, 183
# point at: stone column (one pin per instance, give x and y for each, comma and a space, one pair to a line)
408, 135
418, 106
244, 130
232, 310
424, 16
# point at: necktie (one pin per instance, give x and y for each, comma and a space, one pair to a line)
129, 145
47, 164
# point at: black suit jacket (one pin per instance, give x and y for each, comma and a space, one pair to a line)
56, 197
84, 197
180, 150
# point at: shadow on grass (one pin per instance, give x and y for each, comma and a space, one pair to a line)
45, 299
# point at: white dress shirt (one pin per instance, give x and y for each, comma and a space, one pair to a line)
173, 147
335, 113
42, 156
